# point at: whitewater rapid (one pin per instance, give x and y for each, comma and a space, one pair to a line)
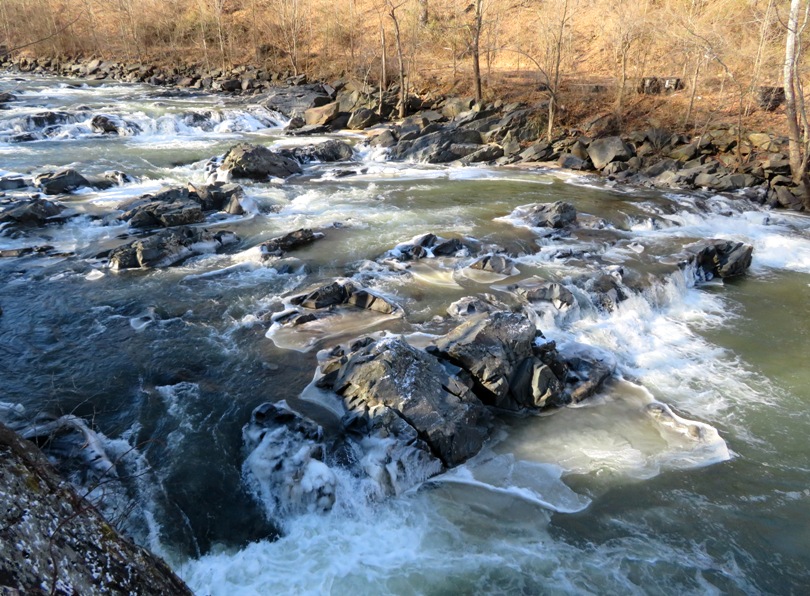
647, 487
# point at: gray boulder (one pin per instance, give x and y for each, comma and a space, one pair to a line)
495, 264
723, 258
258, 163
219, 196
33, 212
497, 350
549, 215
286, 483
172, 207
437, 147
276, 247
322, 115
437, 404
169, 247
330, 151
603, 151
61, 182
12, 183
344, 293
363, 118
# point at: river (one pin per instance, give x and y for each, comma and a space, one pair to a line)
166, 366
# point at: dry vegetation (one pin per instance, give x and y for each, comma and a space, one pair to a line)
589, 54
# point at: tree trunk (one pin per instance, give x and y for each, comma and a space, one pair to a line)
792, 83
475, 49
392, 12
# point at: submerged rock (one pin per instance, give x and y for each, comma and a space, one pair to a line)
54, 541
258, 163
276, 247
169, 247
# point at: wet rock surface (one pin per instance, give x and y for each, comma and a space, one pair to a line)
258, 163
169, 247
54, 541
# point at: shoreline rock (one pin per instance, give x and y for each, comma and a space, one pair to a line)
53, 540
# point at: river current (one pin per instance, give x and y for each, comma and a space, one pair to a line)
166, 365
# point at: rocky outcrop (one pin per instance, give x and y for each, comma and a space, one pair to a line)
61, 182
258, 163
169, 247
497, 350
52, 541
439, 406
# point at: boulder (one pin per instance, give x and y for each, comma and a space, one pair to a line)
169, 247
603, 151
258, 163
322, 115
61, 182
570, 161
549, 215
61, 526
495, 264
276, 247
219, 196
426, 245
6, 97
722, 258
344, 293
104, 125
438, 405
535, 290
12, 183
486, 153
770, 98
497, 350
363, 118
383, 138
172, 207
286, 463
330, 151
436, 147
33, 212
475, 305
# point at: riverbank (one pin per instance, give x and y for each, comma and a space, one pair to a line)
454, 129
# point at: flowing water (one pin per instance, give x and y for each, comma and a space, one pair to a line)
688, 474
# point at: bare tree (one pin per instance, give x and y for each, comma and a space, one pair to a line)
798, 127
391, 9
